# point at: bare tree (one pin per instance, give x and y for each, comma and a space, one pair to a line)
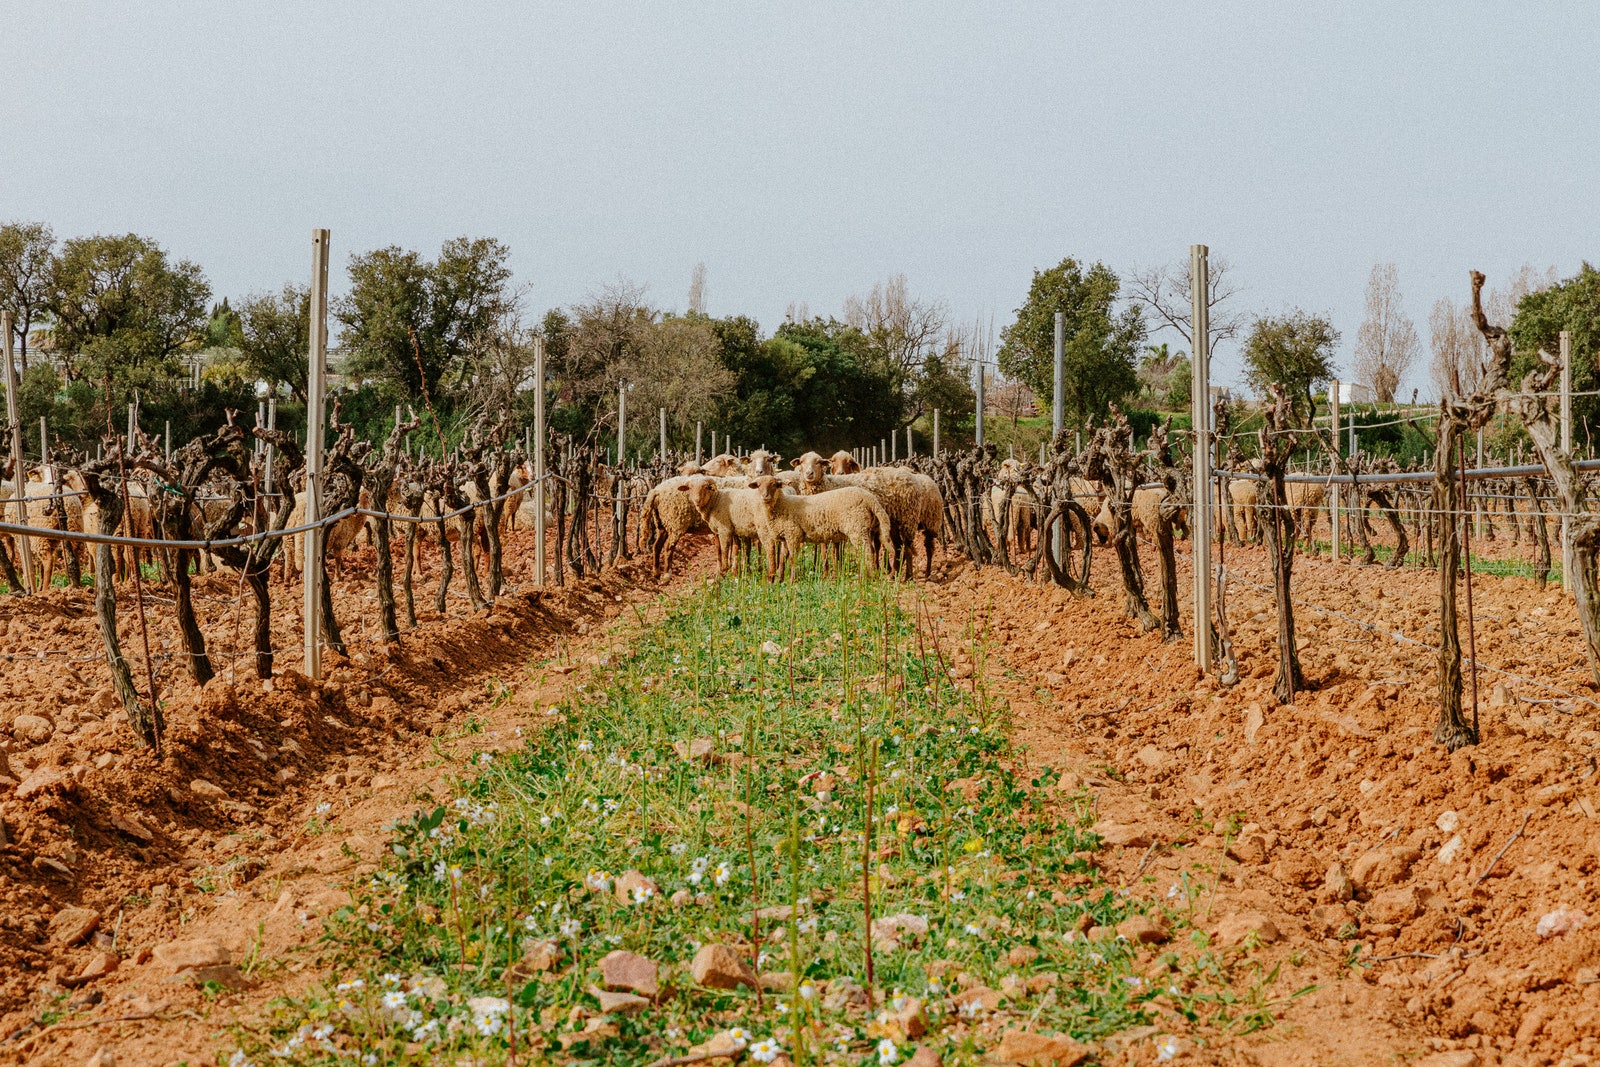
902, 329
25, 250
1457, 362
697, 290
1165, 292
1386, 343
678, 366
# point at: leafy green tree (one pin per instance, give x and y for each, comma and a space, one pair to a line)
408, 322
25, 249
123, 310
275, 338
224, 329
943, 383
1294, 350
846, 397
1102, 343
1539, 318
768, 376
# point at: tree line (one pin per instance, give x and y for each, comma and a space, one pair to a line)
105, 320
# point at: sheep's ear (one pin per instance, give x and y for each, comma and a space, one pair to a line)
684, 488
795, 462
754, 485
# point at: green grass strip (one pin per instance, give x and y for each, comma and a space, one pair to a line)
812, 696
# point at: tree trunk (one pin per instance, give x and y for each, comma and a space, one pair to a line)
1541, 532
194, 642
1123, 540
1279, 534
8, 571
446, 565
260, 588
1171, 624
383, 571
1401, 546
1453, 730
405, 578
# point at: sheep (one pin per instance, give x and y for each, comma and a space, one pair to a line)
842, 462
722, 466
1244, 493
39, 509
1143, 510
1305, 501
761, 463
912, 500
1024, 516
667, 516
137, 521
831, 517
335, 538
734, 514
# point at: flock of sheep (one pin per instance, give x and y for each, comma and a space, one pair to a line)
820, 501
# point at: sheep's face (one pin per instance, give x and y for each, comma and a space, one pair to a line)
688, 469
720, 466
762, 463
769, 488
702, 491
811, 467
842, 462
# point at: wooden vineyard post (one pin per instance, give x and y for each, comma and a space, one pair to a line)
316, 421
1203, 517
698, 455
935, 433
979, 432
538, 462
19, 470
911, 452
663, 415
1333, 487
1566, 446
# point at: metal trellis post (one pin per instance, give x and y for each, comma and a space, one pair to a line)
316, 422
1200, 392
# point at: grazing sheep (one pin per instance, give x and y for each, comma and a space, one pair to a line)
842, 462
1245, 492
1024, 517
137, 521
336, 538
835, 516
912, 500
722, 466
1306, 500
39, 510
761, 463
734, 514
1144, 507
667, 516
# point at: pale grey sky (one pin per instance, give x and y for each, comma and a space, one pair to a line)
805, 150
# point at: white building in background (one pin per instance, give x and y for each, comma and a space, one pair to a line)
1355, 393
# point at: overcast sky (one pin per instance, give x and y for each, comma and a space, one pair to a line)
804, 151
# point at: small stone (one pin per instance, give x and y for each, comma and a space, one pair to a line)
1142, 930
1250, 850
199, 952
1122, 836
1457, 1057
202, 788
682, 898
1153, 758
635, 888
71, 925
383, 781
777, 981
99, 965
700, 749
1021, 956
33, 728
1100, 933
1447, 822
910, 1018
721, 967
1038, 983
1451, 850
1027, 1049
1338, 883
925, 1057
1394, 906
1254, 719
537, 958
1328, 919
977, 998
619, 1003
104, 1056
1235, 929
630, 972
130, 824
1501, 697
1383, 867
898, 928
46, 781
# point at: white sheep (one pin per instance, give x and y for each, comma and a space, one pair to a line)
734, 513
848, 514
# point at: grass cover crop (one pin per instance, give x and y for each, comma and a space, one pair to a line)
786, 771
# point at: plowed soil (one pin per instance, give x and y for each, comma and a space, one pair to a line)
1333, 836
